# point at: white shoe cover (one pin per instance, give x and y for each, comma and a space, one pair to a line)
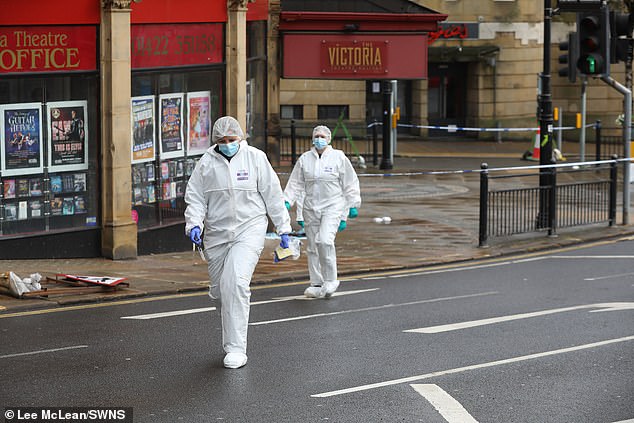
330, 288
315, 292
235, 360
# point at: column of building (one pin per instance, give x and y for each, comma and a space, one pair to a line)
119, 233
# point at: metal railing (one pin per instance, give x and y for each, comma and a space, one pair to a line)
296, 139
588, 197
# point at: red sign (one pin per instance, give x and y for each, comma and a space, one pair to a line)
162, 45
345, 58
48, 49
355, 56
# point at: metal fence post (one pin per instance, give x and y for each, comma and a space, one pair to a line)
484, 204
293, 144
552, 201
597, 140
613, 176
375, 143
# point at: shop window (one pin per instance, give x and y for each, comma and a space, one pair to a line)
172, 118
292, 112
332, 112
49, 165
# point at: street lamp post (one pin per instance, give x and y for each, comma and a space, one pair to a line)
546, 126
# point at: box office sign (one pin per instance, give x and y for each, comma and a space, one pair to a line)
162, 45
355, 56
48, 49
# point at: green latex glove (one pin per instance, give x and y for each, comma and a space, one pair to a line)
301, 223
288, 205
342, 226
353, 212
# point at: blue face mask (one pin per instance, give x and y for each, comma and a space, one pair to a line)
320, 143
229, 149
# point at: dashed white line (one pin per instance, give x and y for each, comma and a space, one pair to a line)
472, 367
358, 310
43, 351
494, 320
444, 403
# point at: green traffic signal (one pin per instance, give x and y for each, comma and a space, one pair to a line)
591, 64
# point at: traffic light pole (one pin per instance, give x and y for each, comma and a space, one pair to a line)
627, 105
545, 125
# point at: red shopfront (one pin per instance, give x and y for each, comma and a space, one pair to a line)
50, 114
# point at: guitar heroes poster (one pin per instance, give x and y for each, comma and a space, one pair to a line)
22, 132
68, 129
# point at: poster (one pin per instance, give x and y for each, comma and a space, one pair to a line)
198, 124
21, 148
171, 130
67, 135
143, 139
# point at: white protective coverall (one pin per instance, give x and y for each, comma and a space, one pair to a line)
330, 187
230, 200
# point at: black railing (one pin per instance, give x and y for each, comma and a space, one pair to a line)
296, 139
588, 197
608, 142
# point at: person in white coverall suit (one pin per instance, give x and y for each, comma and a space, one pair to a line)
324, 179
229, 193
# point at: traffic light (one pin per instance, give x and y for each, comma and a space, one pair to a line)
621, 25
571, 47
594, 42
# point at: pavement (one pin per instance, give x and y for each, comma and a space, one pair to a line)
431, 196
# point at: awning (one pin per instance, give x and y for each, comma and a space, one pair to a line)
461, 53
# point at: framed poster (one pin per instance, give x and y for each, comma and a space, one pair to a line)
198, 122
67, 135
21, 147
143, 138
171, 129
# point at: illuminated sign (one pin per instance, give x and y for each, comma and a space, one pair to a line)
48, 49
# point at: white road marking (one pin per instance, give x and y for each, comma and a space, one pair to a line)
592, 257
598, 278
169, 313
43, 351
358, 310
206, 309
494, 320
626, 421
472, 367
444, 403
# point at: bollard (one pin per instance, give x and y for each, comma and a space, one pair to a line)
375, 143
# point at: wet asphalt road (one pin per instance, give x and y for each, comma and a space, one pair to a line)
385, 349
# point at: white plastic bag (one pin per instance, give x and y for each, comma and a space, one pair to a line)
19, 286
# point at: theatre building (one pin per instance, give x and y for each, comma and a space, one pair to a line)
105, 107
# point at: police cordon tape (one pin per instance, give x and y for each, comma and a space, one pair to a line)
452, 128
497, 169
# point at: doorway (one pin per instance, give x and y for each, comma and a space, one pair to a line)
447, 95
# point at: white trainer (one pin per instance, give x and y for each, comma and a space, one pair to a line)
315, 292
235, 360
330, 288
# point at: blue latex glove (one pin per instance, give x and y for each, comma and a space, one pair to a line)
284, 240
301, 223
288, 205
342, 226
353, 212
194, 235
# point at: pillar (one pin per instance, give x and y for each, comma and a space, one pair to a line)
273, 130
119, 231
236, 56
